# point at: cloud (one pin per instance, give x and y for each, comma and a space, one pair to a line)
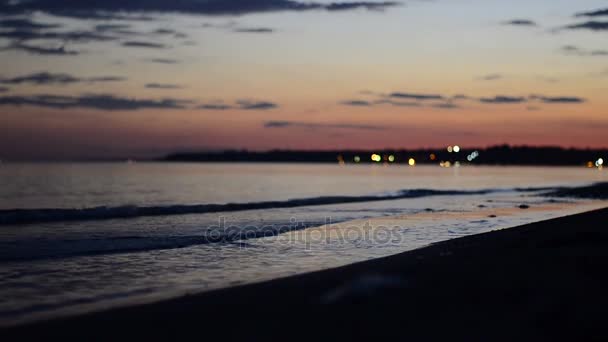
126, 30
25, 24
45, 78
454, 102
163, 60
570, 49
4, 89
356, 103
41, 50
105, 79
590, 25
365, 103
559, 99
597, 13
111, 9
214, 107
501, 99
169, 32
67, 36
370, 6
256, 105
240, 105
418, 97
112, 27
92, 101
25, 35
398, 103
233, 26
520, 22
165, 31
288, 124
162, 86
147, 45
490, 77
254, 30
573, 50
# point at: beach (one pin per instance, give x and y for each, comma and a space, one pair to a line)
541, 281
303, 170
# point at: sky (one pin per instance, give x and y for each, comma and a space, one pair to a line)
140, 79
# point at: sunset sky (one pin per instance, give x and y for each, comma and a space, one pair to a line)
137, 79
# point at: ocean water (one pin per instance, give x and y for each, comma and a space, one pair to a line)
76, 237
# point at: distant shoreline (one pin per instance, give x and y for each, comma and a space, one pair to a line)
452, 156
502, 155
540, 281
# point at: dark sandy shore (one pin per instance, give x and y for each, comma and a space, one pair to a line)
538, 282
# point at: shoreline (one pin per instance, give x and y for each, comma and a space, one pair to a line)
537, 281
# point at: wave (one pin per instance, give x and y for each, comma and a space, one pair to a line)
42, 249
37, 249
26, 216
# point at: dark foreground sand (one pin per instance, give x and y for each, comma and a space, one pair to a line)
543, 281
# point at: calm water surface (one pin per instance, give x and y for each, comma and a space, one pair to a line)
77, 185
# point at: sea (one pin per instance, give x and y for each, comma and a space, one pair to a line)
82, 237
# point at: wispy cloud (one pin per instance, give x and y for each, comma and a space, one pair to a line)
419, 97
92, 101
163, 86
490, 77
576, 51
520, 22
356, 103
558, 99
233, 26
163, 60
110, 9
442, 101
590, 25
398, 103
147, 45
502, 99
41, 50
169, 32
212, 106
45, 78
596, 13
310, 125
26, 24
67, 36
240, 105
256, 105
254, 30
112, 27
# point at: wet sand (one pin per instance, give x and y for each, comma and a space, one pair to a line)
541, 281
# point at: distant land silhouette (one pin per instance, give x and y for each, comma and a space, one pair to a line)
495, 155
